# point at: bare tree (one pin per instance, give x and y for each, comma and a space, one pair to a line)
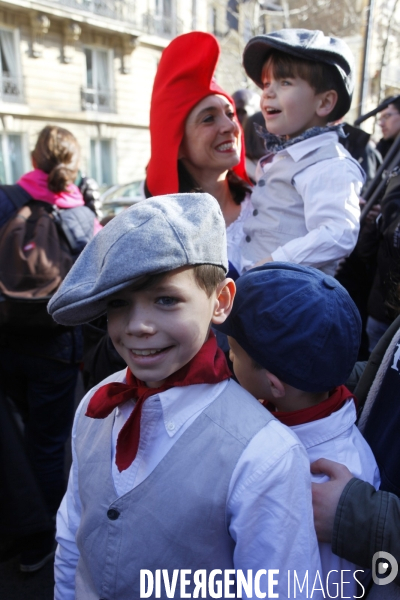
239, 20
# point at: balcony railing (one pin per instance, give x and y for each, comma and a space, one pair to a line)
98, 100
11, 88
123, 10
161, 25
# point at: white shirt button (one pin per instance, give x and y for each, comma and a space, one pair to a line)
170, 426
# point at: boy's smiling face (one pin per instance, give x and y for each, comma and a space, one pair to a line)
290, 105
159, 329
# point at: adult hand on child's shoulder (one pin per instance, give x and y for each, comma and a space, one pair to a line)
326, 496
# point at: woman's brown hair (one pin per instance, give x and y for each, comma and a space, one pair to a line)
238, 187
57, 153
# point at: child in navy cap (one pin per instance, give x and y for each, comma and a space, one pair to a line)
294, 335
306, 201
175, 466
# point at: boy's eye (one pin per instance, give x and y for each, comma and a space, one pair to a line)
116, 303
167, 301
285, 82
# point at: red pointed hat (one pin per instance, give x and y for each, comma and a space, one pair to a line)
184, 77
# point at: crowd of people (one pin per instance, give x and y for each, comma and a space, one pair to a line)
227, 425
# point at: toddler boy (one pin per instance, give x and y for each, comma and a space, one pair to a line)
294, 335
174, 465
306, 201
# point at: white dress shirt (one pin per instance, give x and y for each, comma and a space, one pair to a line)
235, 236
268, 504
330, 191
337, 438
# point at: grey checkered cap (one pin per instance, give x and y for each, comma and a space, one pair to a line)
154, 236
307, 44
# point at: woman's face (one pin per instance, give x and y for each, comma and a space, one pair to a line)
211, 141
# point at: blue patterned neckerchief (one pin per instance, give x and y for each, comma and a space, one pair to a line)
276, 143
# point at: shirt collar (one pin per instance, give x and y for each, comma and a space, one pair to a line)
321, 431
275, 143
178, 404
299, 150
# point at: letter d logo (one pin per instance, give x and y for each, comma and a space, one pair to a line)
387, 566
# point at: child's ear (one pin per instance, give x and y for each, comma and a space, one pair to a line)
328, 101
276, 385
224, 300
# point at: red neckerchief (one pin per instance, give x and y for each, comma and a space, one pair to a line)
325, 408
208, 366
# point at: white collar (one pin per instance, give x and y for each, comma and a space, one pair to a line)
299, 150
178, 404
320, 431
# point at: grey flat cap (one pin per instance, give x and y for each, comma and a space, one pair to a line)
153, 236
307, 44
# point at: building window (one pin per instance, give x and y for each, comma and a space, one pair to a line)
194, 14
214, 20
11, 81
12, 164
232, 15
98, 94
102, 161
162, 20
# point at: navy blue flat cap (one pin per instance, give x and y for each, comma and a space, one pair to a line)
298, 323
307, 44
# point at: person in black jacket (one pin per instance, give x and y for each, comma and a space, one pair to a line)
389, 122
39, 367
379, 243
357, 142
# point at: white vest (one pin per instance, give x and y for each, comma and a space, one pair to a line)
278, 215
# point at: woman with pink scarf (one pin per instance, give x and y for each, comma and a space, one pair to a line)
38, 367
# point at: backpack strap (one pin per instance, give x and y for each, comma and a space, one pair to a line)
18, 196
64, 229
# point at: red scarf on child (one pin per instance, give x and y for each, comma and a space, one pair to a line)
208, 366
321, 410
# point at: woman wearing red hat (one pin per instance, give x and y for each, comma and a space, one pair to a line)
196, 145
196, 140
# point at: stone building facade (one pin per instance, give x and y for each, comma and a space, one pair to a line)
87, 65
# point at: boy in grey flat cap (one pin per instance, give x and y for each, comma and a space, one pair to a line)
174, 465
306, 201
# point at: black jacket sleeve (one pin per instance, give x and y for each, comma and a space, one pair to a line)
7, 208
366, 522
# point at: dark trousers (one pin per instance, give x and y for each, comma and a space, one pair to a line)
43, 391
